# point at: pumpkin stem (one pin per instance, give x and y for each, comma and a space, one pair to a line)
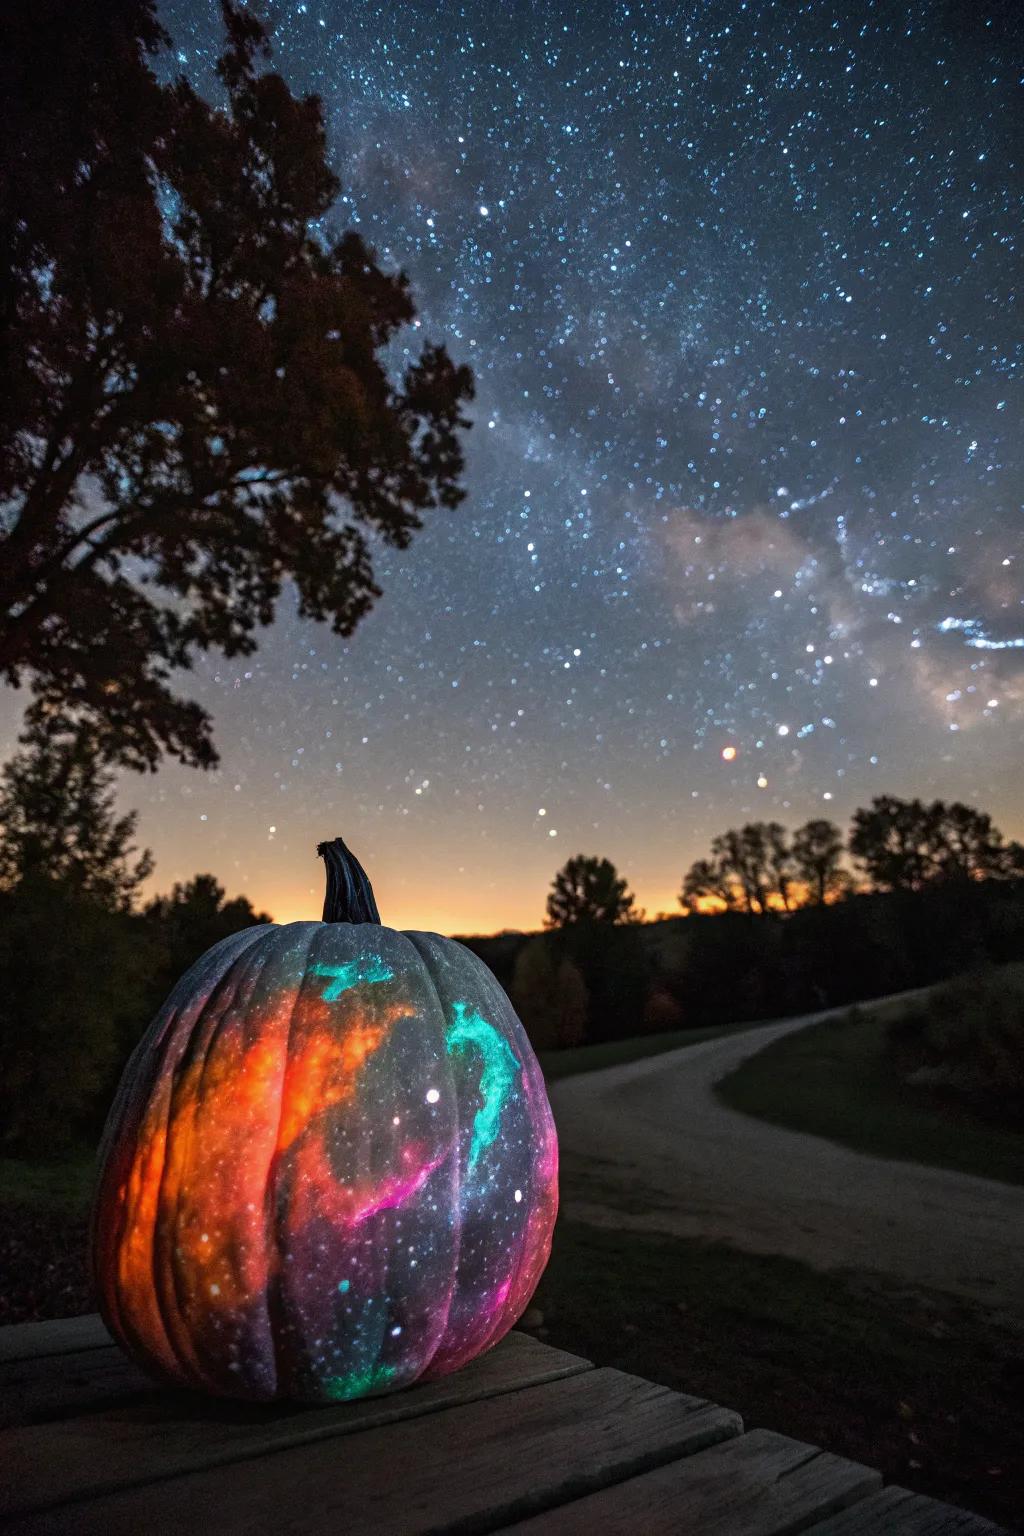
349, 893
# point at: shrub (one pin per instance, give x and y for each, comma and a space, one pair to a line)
968, 1037
549, 995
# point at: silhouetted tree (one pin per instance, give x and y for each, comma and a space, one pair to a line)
58, 821
197, 374
902, 845
193, 918
549, 995
75, 990
747, 866
817, 855
779, 856
708, 878
967, 843
894, 842
612, 960
588, 890
1013, 861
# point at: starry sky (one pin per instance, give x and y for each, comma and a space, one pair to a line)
738, 282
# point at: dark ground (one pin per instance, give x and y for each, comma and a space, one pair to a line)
924, 1386
42, 1265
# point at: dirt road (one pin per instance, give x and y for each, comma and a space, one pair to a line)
649, 1145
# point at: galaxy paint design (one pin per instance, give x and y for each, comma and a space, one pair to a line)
330, 1169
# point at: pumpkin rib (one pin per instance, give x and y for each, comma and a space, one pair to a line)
500, 1326
231, 994
123, 1327
216, 1013
489, 986
126, 1120
431, 946
410, 937
275, 1300
499, 1003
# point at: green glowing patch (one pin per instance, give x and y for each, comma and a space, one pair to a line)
470, 1031
350, 975
359, 1383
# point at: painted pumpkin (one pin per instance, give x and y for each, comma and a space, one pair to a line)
330, 1168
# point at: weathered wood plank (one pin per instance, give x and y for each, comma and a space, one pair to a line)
898, 1512
471, 1468
57, 1386
61, 1336
163, 1434
761, 1484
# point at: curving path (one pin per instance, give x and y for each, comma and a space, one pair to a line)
649, 1145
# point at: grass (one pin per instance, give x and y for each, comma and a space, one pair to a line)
613, 1053
60, 1187
43, 1219
836, 1079
925, 1387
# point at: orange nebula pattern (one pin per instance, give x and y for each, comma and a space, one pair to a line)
330, 1169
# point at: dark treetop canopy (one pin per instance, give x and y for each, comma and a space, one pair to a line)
200, 403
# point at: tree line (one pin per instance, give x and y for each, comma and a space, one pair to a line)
774, 923
894, 845
85, 962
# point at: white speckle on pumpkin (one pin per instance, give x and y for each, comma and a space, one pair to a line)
433, 1094
519, 1196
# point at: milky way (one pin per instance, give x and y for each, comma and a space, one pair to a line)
738, 285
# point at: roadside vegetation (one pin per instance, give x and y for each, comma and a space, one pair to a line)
935, 1078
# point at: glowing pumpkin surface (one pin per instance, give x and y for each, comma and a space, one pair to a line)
330, 1168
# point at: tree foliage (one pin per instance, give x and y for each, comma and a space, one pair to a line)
200, 398
904, 845
549, 995
747, 868
193, 918
588, 889
817, 855
74, 991
58, 821
899, 845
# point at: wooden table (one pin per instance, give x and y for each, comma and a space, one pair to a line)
526, 1439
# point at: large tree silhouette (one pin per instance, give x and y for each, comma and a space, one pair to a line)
588, 890
200, 399
903, 845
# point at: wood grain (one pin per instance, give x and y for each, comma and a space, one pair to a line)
58, 1386
160, 1435
897, 1512
470, 1468
761, 1484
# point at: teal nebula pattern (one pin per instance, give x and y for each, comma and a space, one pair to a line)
471, 1031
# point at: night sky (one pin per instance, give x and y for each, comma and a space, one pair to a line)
739, 286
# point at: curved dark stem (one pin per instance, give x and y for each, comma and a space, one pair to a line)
349, 893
